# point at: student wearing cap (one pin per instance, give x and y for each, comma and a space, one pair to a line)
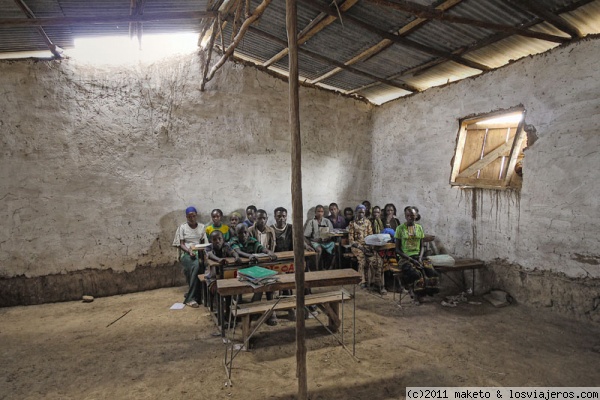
187, 236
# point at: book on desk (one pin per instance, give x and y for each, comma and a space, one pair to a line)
257, 276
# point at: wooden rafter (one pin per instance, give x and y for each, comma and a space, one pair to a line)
385, 43
260, 9
136, 7
398, 39
459, 52
431, 13
328, 60
315, 26
539, 11
31, 17
108, 19
211, 44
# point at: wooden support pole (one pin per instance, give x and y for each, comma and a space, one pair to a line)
238, 38
297, 207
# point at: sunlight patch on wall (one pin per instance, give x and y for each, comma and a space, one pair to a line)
120, 50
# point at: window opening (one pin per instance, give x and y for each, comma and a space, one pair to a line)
489, 151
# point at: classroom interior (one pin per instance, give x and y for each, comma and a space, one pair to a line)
98, 164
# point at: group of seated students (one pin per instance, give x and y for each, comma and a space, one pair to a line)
245, 238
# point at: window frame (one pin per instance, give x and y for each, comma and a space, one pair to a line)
506, 180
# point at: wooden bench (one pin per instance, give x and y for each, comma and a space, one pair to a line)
327, 302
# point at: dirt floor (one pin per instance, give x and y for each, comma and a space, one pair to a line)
81, 350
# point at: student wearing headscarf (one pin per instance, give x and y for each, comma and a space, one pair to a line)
376, 220
188, 235
368, 261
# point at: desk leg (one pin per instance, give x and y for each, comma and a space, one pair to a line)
339, 253
333, 313
354, 321
220, 316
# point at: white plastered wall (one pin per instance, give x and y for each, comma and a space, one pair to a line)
97, 165
553, 223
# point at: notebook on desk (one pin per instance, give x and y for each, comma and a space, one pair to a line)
257, 272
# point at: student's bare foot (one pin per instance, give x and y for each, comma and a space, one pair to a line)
272, 321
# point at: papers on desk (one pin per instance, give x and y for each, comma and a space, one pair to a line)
378, 239
261, 255
257, 276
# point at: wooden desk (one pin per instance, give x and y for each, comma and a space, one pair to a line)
336, 277
463, 264
283, 265
233, 287
339, 237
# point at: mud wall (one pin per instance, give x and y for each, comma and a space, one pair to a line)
98, 164
552, 225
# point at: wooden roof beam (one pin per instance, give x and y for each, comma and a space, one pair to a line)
399, 39
54, 49
109, 19
258, 11
136, 7
482, 43
318, 24
431, 13
385, 43
553, 19
328, 60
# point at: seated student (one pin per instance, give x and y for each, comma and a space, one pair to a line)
217, 215
367, 205
348, 215
338, 221
261, 232
234, 219
187, 236
284, 241
265, 236
389, 217
247, 246
312, 232
250, 215
217, 251
417, 273
358, 230
376, 220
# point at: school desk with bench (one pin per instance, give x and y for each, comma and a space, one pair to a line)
328, 303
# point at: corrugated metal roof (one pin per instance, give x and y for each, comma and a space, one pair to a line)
361, 39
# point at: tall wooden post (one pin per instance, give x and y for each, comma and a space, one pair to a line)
297, 208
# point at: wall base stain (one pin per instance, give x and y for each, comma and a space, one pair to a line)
574, 297
21, 290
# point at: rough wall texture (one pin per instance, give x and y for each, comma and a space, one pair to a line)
553, 223
97, 165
